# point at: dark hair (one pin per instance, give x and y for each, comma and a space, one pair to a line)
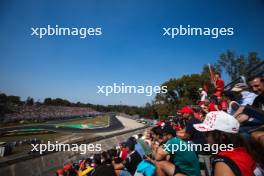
256, 77
253, 147
233, 96
97, 159
214, 99
218, 73
106, 157
157, 131
140, 135
130, 144
112, 153
220, 137
196, 108
169, 130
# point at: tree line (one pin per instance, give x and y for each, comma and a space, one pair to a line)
181, 91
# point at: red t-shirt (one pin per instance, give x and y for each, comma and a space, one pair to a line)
220, 84
211, 107
124, 153
242, 159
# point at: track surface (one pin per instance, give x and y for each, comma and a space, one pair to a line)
115, 124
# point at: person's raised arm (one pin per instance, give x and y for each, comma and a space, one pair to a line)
221, 169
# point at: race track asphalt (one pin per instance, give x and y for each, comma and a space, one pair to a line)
115, 124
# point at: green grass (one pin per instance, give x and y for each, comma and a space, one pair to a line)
95, 122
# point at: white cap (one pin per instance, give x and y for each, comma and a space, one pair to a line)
218, 120
239, 87
135, 136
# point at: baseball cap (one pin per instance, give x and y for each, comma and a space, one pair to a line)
186, 109
218, 120
239, 87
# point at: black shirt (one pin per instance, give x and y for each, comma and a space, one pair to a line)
104, 170
196, 137
259, 102
132, 161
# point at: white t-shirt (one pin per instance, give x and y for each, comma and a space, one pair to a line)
203, 95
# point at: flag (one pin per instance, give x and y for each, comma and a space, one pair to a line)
212, 74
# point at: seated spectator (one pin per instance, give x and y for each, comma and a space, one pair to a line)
68, 170
257, 85
85, 167
232, 100
222, 128
187, 114
213, 105
129, 165
144, 145
252, 117
170, 162
246, 98
193, 135
123, 151
105, 168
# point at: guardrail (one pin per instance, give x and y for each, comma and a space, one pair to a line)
249, 74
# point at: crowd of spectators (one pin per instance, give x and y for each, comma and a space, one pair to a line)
44, 113
232, 118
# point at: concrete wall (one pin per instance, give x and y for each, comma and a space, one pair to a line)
47, 164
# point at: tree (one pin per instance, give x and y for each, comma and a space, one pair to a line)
29, 101
47, 101
182, 91
235, 66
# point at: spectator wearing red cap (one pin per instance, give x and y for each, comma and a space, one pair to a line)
190, 133
186, 113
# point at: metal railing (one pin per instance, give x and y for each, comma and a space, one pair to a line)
252, 72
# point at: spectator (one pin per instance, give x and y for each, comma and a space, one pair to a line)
187, 114
129, 165
221, 128
247, 98
203, 94
252, 117
219, 85
138, 146
123, 151
213, 105
192, 135
145, 146
257, 85
183, 162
